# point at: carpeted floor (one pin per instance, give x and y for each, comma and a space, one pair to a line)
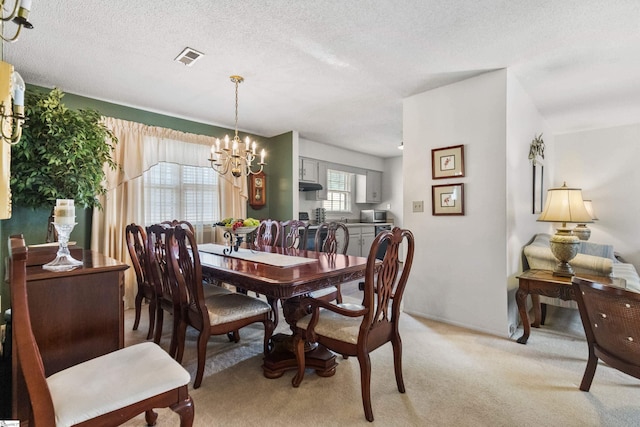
453, 377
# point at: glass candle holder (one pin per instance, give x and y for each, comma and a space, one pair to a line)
64, 261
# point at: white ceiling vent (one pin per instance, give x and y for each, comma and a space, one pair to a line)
188, 56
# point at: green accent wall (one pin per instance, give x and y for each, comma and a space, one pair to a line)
279, 173
33, 223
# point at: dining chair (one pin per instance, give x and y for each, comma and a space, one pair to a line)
136, 239
294, 234
163, 282
268, 233
106, 390
356, 330
212, 315
332, 238
611, 320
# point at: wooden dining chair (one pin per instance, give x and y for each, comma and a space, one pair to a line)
136, 239
164, 284
268, 233
611, 320
212, 315
104, 391
356, 330
332, 238
294, 234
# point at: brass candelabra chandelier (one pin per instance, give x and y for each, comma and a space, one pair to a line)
236, 156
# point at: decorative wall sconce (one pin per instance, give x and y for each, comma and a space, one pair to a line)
19, 15
12, 118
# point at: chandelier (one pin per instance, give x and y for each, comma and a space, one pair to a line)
240, 156
19, 15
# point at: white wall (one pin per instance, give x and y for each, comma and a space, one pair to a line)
392, 189
463, 264
604, 163
524, 122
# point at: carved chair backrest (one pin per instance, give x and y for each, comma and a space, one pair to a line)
385, 282
186, 270
294, 234
336, 240
158, 269
137, 245
27, 347
268, 233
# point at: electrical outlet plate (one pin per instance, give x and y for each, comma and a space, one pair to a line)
418, 206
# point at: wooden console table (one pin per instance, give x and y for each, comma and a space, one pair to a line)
543, 282
76, 315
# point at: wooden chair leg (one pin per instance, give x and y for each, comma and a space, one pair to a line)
338, 294
396, 342
203, 338
138, 306
173, 348
150, 417
365, 380
181, 335
589, 372
185, 411
152, 318
298, 347
159, 321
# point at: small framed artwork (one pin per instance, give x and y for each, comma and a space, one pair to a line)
447, 199
447, 162
538, 190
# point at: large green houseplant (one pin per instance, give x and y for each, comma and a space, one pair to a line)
61, 155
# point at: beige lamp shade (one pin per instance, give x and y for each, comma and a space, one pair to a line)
564, 205
589, 205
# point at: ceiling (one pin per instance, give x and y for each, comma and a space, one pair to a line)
334, 70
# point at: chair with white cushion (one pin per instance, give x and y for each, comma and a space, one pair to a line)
356, 330
104, 391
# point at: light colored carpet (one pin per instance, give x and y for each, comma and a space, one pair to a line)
453, 377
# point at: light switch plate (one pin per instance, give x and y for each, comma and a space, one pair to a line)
418, 206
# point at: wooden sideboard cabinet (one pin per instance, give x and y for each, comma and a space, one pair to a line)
75, 315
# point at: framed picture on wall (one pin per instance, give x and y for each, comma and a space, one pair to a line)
538, 190
447, 162
447, 199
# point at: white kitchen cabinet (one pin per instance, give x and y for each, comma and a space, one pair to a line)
360, 239
308, 171
369, 187
322, 180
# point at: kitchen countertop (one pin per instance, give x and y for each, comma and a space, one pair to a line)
355, 224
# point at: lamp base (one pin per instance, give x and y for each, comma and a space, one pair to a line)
565, 246
582, 231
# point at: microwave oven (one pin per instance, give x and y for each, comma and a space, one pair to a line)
373, 215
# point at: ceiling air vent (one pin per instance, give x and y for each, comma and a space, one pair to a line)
188, 56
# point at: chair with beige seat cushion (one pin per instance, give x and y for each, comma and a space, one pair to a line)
356, 330
611, 320
214, 315
107, 390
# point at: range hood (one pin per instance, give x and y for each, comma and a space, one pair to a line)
309, 186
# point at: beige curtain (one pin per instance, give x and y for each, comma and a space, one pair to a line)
139, 148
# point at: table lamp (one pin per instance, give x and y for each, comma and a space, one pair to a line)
564, 205
582, 231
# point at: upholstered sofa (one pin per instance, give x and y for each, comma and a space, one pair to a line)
593, 259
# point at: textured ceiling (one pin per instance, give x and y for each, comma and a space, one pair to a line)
334, 70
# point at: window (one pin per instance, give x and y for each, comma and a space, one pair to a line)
338, 191
188, 193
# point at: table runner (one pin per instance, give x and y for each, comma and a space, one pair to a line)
277, 260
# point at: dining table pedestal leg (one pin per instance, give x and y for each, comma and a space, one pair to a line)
282, 357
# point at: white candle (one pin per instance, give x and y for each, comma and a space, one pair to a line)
213, 151
64, 212
26, 4
262, 156
226, 142
217, 145
254, 148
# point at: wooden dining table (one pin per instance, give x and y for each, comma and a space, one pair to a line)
289, 284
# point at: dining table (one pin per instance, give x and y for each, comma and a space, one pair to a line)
288, 275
